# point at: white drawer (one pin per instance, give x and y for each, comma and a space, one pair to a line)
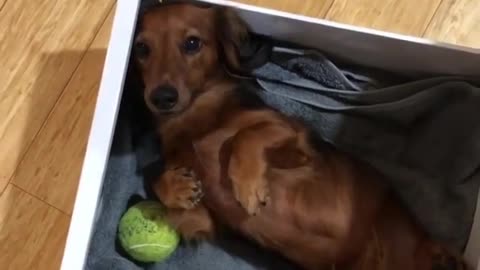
362, 46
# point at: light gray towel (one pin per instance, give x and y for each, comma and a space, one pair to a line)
124, 185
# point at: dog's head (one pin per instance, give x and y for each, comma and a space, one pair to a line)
182, 47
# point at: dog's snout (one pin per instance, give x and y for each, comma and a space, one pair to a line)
164, 97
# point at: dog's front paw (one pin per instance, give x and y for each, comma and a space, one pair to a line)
179, 188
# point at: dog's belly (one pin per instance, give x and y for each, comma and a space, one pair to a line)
297, 222
309, 211
390, 242
318, 214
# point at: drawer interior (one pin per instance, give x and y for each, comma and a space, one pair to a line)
399, 127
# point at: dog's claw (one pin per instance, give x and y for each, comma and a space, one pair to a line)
252, 197
188, 190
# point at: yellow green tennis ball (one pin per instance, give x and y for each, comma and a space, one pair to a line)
145, 235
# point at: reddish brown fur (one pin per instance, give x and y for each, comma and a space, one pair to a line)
262, 177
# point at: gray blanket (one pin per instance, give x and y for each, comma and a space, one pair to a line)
422, 134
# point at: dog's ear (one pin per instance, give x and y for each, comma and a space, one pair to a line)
233, 34
242, 51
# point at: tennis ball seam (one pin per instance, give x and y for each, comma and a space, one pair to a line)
141, 228
148, 245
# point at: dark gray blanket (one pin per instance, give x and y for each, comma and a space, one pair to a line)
424, 135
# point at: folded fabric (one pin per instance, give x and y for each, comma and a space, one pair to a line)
423, 135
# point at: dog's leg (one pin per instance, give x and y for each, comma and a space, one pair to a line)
178, 188
180, 191
193, 225
247, 166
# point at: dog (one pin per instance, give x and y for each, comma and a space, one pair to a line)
232, 161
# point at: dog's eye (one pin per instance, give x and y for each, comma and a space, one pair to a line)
142, 51
192, 45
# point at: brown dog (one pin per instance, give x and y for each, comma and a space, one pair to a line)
261, 175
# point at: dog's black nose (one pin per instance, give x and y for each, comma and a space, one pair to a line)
164, 97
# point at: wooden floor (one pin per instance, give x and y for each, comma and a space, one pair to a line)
51, 57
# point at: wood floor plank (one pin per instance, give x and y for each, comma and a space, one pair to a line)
312, 8
52, 165
32, 234
33, 72
2, 4
409, 17
457, 22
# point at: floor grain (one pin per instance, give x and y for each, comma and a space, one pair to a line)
52, 59
32, 234
409, 17
457, 22
312, 8
50, 170
32, 80
2, 4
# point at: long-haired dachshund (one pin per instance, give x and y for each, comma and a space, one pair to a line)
260, 173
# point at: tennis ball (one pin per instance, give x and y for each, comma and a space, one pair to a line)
145, 235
